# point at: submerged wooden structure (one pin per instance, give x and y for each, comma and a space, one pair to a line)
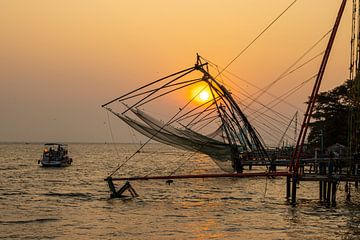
235, 142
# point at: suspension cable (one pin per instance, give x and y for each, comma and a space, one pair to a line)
257, 37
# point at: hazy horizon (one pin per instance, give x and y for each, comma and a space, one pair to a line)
61, 60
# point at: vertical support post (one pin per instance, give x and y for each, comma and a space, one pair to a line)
347, 191
288, 187
322, 184
324, 191
111, 187
356, 173
321, 142
118, 194
320, 190
330, 178
333, 197
293, 194
328, 193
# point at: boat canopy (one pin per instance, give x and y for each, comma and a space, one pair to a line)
56, 144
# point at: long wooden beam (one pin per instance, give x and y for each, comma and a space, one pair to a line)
147, 85
329, 178
215, 175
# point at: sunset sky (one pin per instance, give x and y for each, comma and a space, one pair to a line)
61, 60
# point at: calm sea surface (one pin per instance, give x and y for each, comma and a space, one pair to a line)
74, 203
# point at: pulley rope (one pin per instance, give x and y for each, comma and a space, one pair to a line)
177, 157
183, 163
273, 127
287, 72
268, 93
111, 134
257, 37
263, 115
262, 90
290, 67
284, 96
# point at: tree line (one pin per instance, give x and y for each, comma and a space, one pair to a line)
331, 116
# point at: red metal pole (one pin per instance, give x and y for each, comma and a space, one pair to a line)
310, 107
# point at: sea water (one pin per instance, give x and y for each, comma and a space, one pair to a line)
73, 202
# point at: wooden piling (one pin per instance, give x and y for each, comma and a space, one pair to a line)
293, 194
118, 194
333, 191
356, 173
324, 191
111, 187
288, 187
347, 190
328, 193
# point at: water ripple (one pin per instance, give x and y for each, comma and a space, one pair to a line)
36, 220
74, 203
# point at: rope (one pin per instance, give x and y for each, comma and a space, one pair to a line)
283, 96
111, 134
288, 70
182, 164
258, 36
155, 170
277, 100
248, 82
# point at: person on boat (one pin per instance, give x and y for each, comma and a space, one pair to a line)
59, 152
46, 152
51, 153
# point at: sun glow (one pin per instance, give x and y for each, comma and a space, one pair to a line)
201, 93
204, 95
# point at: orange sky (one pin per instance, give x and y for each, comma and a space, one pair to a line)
60, 60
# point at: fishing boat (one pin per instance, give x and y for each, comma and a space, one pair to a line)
55, 155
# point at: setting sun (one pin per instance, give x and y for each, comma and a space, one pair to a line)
204, 95
201, 93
